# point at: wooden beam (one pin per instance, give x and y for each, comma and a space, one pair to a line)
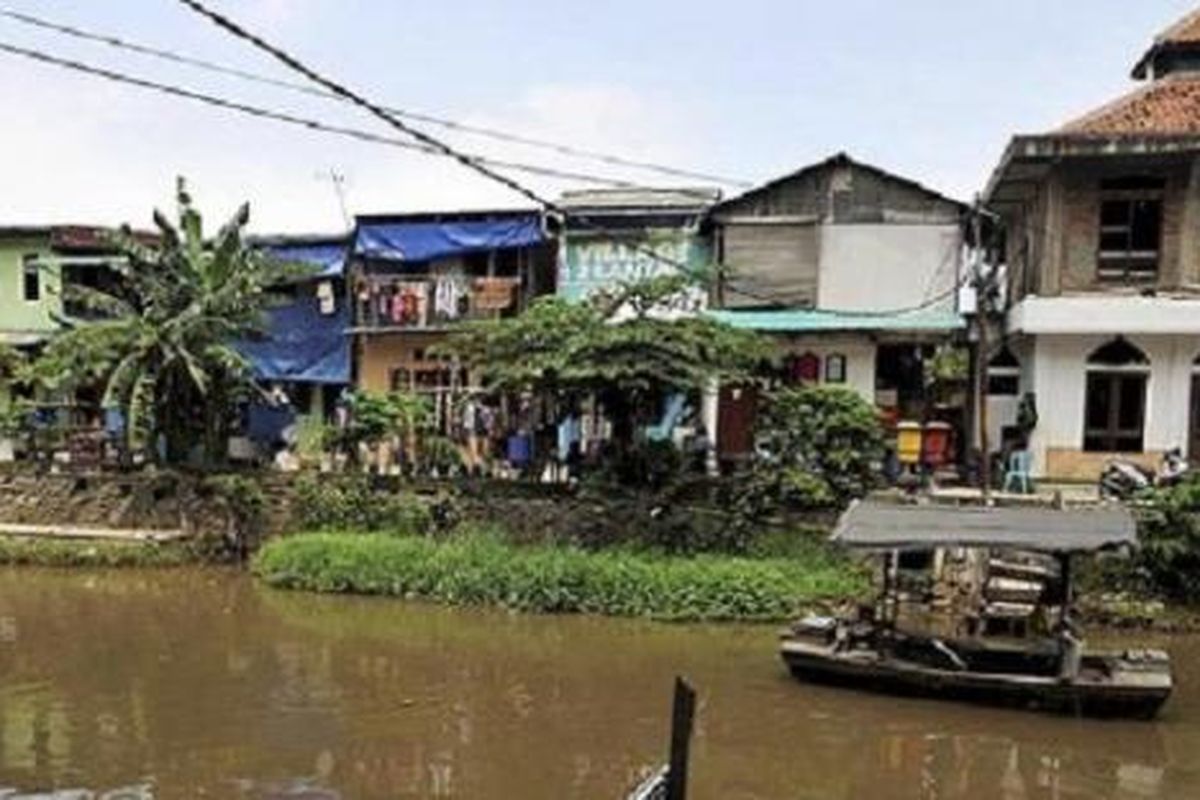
682, 716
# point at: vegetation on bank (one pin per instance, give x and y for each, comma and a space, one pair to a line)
481, 569
25, 552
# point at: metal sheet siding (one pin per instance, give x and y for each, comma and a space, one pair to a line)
771, 264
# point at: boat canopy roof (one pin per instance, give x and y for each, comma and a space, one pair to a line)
876, 525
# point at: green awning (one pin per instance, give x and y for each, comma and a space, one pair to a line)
816, 321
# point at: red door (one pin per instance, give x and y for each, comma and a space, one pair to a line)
735, 422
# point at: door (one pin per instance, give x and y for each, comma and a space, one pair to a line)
1194, 433
735, 422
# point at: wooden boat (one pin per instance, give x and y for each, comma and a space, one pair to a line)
1049, 672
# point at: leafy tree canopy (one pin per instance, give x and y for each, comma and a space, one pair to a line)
624, 341
162, 343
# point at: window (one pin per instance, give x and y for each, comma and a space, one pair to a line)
1115, 404
31, 278
1130, 228
1004, 374
835, 368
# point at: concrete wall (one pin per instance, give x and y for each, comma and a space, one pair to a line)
1053, 241
865, 267
1059, 379
381, 353
859, 351
874, 237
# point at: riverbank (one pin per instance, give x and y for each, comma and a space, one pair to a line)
37, 552
480, 569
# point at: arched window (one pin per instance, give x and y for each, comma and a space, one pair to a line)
1004, 374
1118, 353
835, 368
1115, 404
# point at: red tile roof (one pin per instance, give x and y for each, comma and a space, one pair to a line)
1184, 31
1169, 106
1181, 35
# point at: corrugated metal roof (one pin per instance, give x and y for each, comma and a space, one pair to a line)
815, 320
686, 199
895, 526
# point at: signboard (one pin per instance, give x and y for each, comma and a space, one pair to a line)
594, 262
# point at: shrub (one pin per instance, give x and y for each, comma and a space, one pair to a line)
76, 553
479, 569
1169, 556
350, 502
820, 447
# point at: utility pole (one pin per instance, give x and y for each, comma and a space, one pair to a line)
982, 279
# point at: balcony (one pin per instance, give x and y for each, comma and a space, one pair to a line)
417, 302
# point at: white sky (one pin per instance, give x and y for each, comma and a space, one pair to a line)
928, 88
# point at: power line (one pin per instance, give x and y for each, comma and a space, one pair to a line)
265, 80
473, 163
293, 119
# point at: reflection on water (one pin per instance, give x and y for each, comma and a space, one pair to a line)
202, 684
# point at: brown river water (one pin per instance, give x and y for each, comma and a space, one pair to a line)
202, 684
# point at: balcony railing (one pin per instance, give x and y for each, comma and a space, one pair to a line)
429, 303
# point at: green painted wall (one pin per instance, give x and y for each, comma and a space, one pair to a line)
17, 315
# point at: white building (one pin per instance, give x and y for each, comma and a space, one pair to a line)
1103, 262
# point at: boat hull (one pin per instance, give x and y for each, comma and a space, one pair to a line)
1139, 698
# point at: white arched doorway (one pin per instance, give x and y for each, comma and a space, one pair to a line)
1118, 376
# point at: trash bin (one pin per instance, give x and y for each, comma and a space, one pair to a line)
908, 443
936, 444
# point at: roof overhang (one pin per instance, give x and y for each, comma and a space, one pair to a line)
871, 525
819, 321
1106, 314
1027, 159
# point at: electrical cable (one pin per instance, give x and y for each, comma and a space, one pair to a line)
293, 63
293, 119
245, 75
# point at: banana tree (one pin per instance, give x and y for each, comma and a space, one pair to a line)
162, 346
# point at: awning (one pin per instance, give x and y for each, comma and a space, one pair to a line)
328, 259
428, 241
301, 345
895, 526
817, 321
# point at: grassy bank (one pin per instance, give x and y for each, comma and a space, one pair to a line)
16, 551
478, 569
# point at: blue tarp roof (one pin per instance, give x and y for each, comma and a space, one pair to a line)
301, 344
329, 258
401, 240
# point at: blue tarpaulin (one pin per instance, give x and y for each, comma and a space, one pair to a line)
398, 240
301, 344
328, 259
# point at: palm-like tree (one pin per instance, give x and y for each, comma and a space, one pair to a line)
163, 344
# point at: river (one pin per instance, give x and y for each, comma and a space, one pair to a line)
201, 683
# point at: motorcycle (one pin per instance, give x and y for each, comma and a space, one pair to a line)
1121, 480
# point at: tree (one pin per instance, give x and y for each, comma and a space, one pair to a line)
623, 347
162, 346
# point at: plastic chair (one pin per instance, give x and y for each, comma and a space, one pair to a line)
1016, 476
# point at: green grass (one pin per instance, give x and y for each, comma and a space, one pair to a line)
478, 569
16, 551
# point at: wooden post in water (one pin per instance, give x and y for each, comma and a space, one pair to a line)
683, 712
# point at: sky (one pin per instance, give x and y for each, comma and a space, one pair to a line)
929, 89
